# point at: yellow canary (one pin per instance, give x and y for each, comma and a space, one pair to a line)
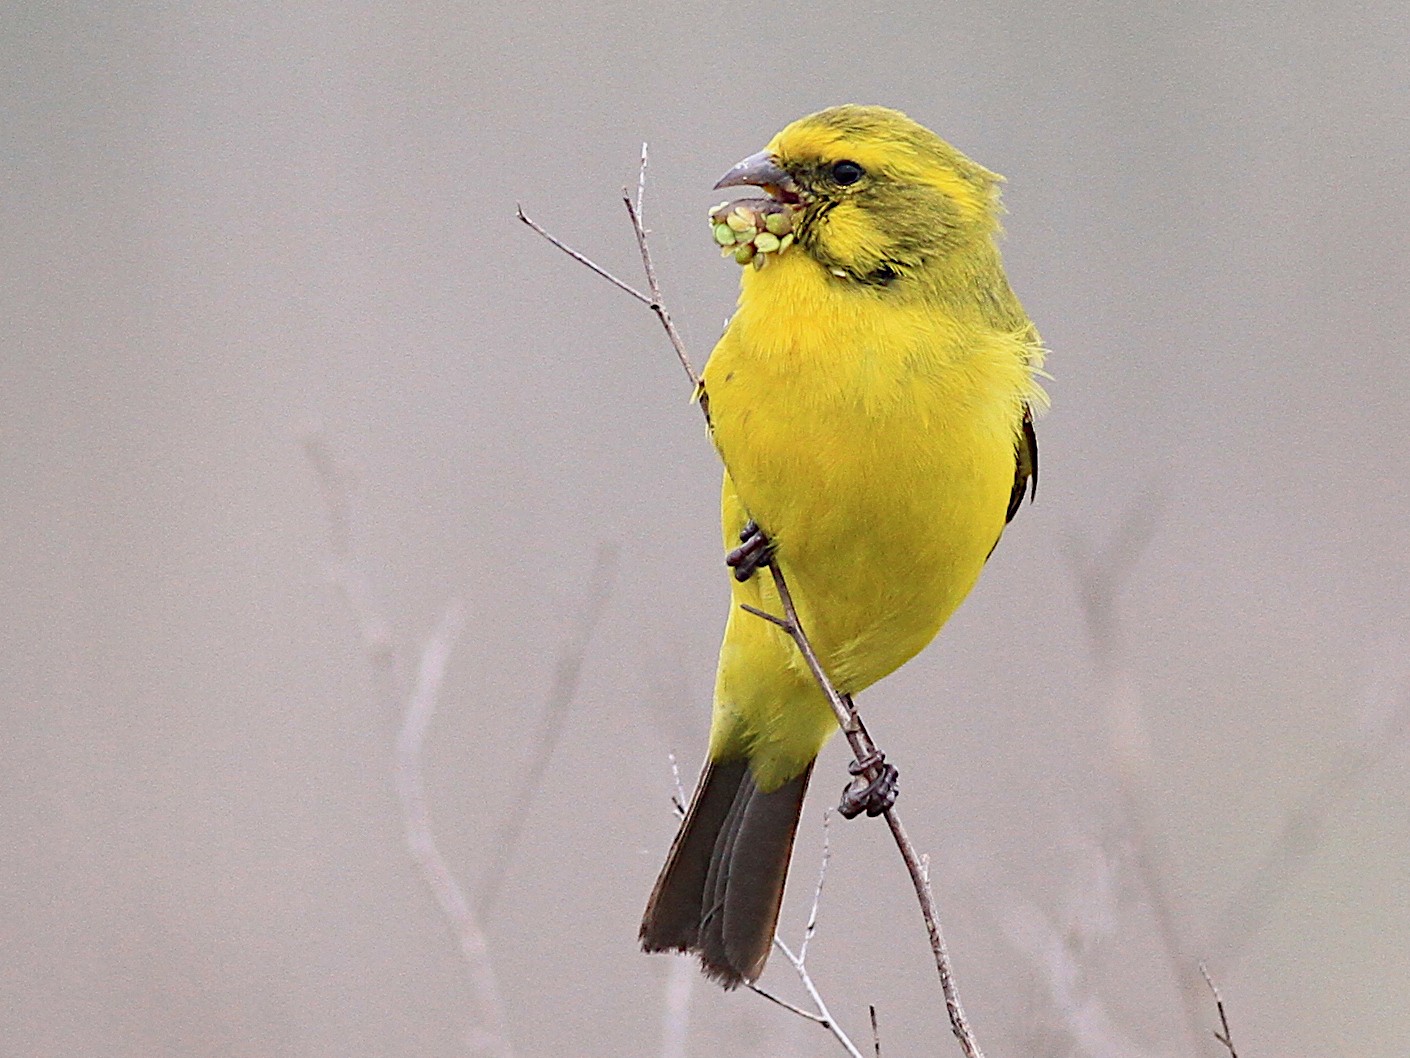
872, 403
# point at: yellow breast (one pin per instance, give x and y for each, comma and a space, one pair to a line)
872, 437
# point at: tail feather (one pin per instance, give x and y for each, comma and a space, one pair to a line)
721, 888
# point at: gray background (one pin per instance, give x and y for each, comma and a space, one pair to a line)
227, 224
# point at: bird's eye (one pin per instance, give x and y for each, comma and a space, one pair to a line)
847, 172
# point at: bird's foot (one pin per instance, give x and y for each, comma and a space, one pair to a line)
755, 551
874, 796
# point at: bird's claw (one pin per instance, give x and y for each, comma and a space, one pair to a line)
755, 551
875, 796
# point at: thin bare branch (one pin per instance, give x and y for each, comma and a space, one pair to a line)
678, 798
420, 838
657, 305
652, 301
781, 622
415, 710
566, 676
820, 1014
824, 1017
792, 1008
812, 926
875, 1032
1226, 1037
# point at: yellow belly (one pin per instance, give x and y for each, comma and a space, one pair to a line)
874, 443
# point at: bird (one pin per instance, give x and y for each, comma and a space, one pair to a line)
872, 401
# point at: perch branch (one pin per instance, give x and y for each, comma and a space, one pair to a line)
846, 712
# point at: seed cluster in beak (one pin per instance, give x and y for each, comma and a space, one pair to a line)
752, 229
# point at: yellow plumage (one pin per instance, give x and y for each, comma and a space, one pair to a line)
870, 400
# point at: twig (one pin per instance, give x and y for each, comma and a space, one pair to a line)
566, 676
420, 838
820, 1015
415, 711
845, 711
812, 926
875, 1032
1226, 1037
584, 260
792, 1008
657, 306
677, 798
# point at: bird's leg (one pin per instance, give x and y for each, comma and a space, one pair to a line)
755, 551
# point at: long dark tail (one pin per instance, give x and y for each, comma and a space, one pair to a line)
721, 888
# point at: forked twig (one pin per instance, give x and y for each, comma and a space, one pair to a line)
653, 301
847, 716
799, 961
420, 839
416, 709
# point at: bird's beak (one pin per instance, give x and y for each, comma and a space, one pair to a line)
761, 170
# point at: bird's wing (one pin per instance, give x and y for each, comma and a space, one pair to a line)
1025, 471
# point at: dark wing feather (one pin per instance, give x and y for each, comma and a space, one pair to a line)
1025, 471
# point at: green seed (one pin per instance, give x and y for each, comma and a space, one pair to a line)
778, 224
766, 243
739, 222
744, 254
785, 242
724, 234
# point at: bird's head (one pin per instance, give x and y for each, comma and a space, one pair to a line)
873, 195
